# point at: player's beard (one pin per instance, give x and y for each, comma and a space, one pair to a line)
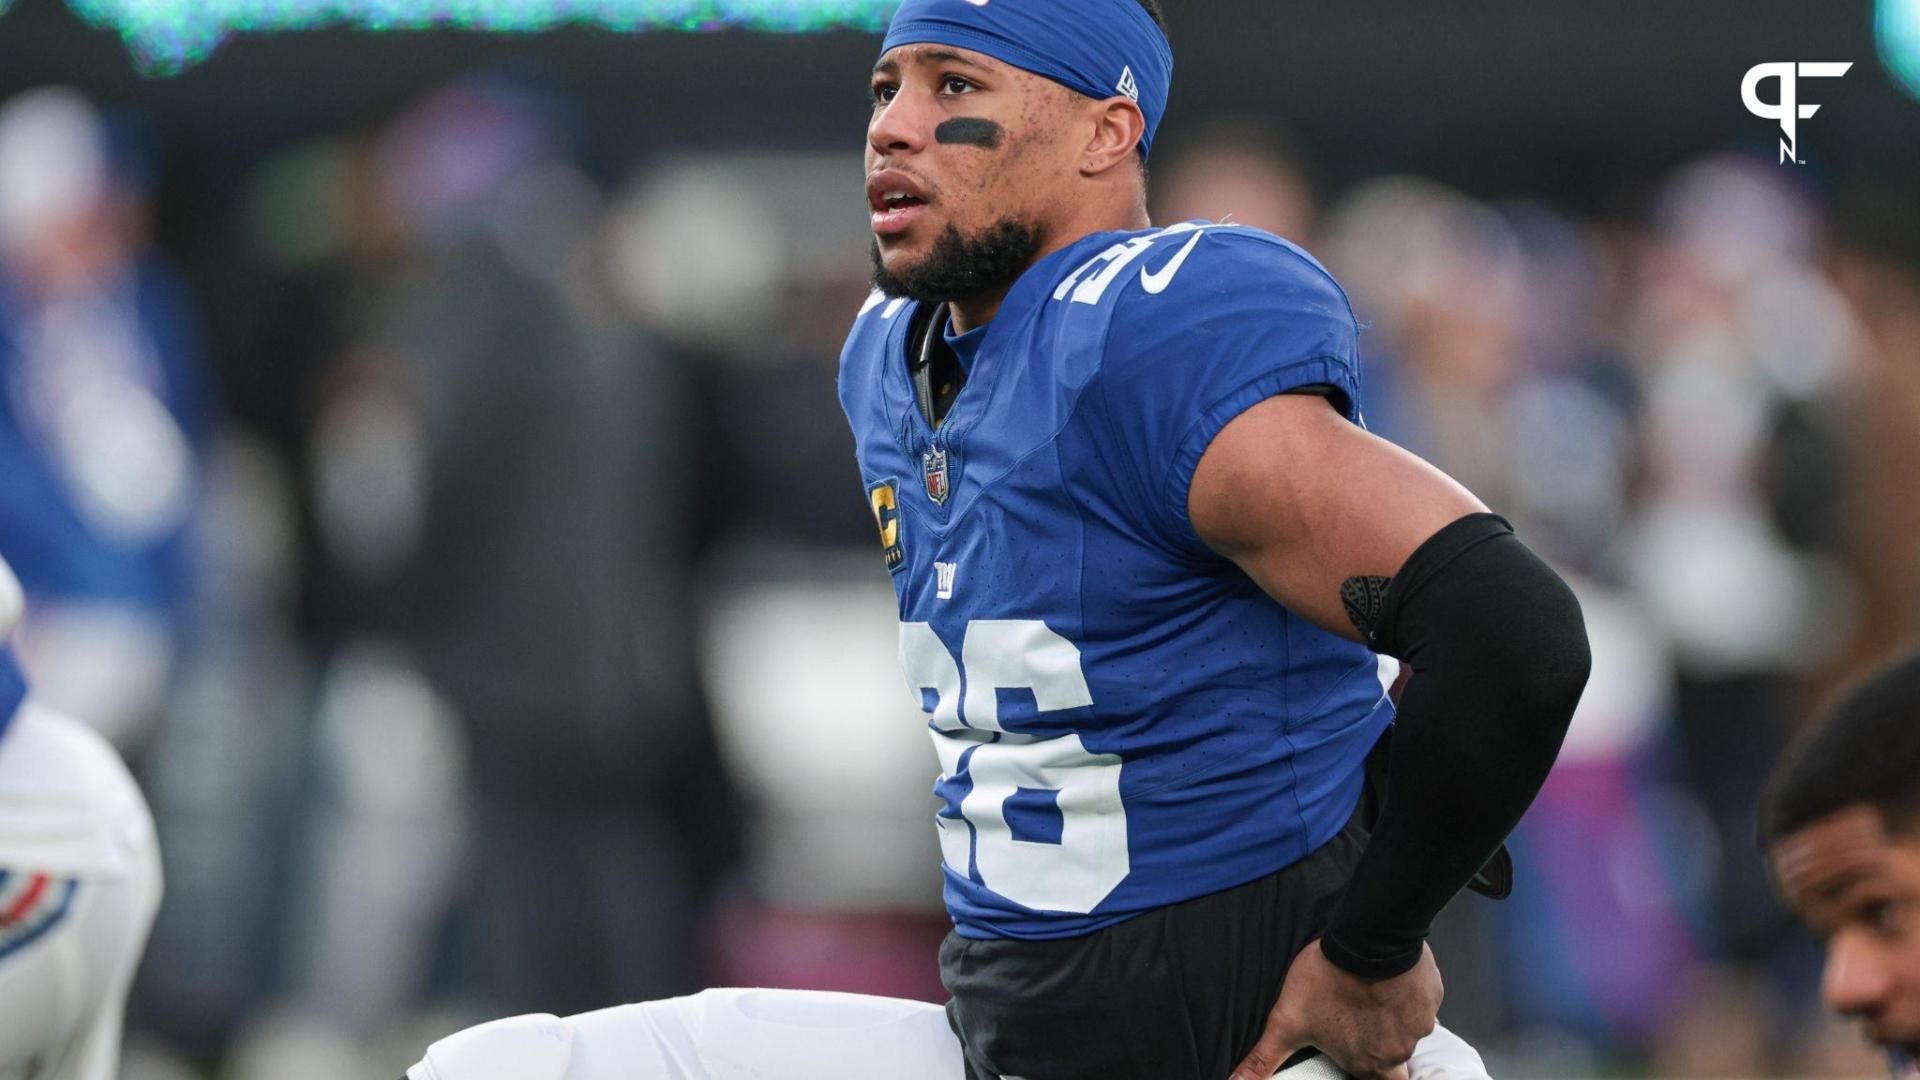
960, 267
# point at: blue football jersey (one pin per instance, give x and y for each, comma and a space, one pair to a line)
1123, 719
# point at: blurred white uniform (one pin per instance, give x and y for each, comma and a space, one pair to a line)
79, 885
767, 1034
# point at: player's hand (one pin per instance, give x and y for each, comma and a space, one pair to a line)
1369, 1028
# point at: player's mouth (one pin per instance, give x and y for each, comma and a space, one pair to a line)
896, 200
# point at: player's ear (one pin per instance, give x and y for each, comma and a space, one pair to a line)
1118, 127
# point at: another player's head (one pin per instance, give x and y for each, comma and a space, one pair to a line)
1840, 825
1005, 129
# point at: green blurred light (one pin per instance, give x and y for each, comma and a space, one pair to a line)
168, 36
1896, 26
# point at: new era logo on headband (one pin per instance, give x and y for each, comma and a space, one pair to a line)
1128, 84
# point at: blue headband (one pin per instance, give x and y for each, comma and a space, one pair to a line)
13, 688
1101, 48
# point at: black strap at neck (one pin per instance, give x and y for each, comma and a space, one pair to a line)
937, 373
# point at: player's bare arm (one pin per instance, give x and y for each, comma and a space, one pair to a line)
1374, 544
1303, 533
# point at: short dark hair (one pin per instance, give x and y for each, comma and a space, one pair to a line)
1865, 752
1153, 9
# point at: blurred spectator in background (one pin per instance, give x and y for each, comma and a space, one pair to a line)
496, 786
503, 469
1729, 550
1479, 353
104, 418
1877, 269
1239, 169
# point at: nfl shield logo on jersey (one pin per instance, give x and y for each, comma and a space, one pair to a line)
935, 470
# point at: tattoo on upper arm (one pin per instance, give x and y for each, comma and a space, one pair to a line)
1364, 598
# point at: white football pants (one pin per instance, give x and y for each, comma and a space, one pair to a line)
770, 1035
83, 876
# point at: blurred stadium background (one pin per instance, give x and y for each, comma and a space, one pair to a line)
420, 443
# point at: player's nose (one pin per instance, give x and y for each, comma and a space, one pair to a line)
1856, 982
901, 126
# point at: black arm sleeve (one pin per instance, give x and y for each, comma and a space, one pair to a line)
1499, 655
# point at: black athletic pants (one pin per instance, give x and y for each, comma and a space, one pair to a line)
1180, 993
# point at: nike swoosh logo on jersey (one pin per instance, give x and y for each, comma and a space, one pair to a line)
1156, 283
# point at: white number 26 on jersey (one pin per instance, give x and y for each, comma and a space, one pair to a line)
1091, 859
